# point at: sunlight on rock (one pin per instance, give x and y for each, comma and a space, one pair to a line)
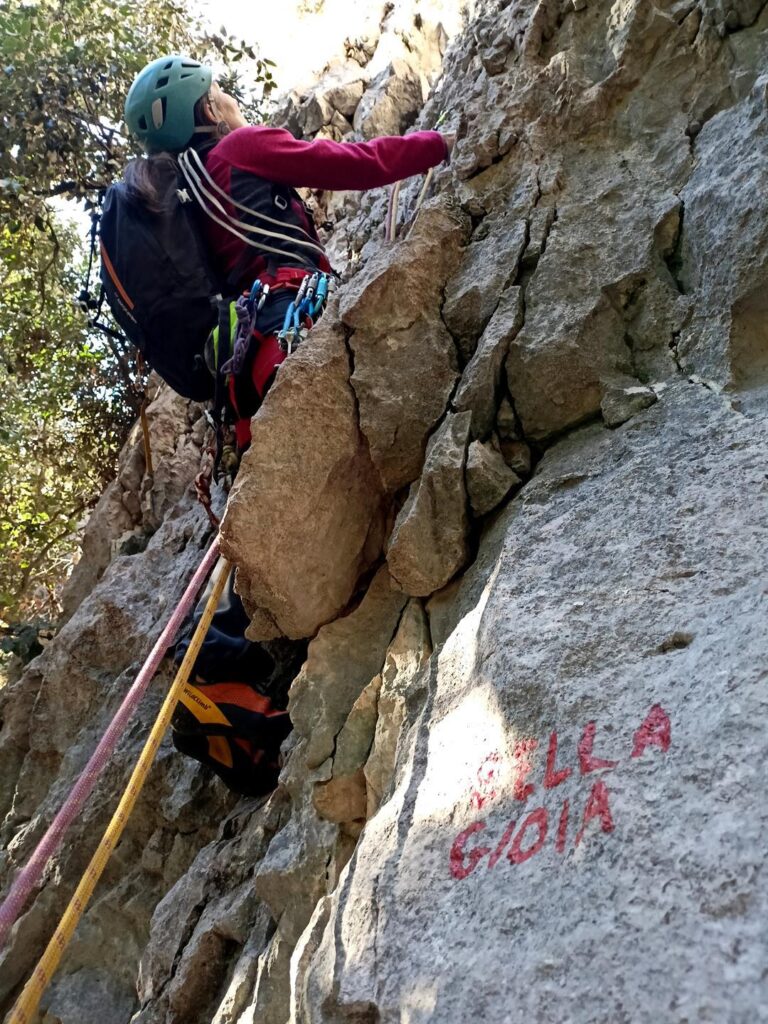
306, 35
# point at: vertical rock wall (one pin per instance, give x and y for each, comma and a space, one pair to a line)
561, 764
513, 488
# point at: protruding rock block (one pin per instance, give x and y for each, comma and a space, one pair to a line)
429, 543
622, 403
342, 660
405, 364
488, 267
391, 102
479, 389
489, 478
304, 516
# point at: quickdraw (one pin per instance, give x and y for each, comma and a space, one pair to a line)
306, 307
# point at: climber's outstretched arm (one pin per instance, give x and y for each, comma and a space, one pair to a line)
274, 153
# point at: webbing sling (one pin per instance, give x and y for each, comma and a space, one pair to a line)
202, 187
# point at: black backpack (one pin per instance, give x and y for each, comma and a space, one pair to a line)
159, 285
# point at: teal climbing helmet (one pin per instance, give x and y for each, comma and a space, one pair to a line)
160, 106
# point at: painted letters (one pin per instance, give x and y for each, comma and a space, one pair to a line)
523, 841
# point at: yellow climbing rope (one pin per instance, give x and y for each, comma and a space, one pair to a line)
26, 1006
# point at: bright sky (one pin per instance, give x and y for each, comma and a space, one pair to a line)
302, 36
302, 39
308, 34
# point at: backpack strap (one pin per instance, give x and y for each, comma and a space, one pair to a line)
211, 199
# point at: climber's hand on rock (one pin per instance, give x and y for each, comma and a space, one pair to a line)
449, 138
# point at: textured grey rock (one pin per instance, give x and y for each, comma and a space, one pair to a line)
400, 681
480, 388
52, 719
90, 996
345, 96
208, 931
314, 114
391, 103
272, 991
624, 629
487, 268
343, 658
429, 542
507, 423
610, 158
726, 340
568, 346
517, 455
405, 365
317, 481
489, 478
621, 403
134, 502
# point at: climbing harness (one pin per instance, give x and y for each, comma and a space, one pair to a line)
30, 875
236, 349
247, 309
26, 1007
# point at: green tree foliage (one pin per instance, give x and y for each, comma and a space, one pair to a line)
65, 68
65, 410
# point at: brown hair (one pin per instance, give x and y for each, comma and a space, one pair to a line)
151, 180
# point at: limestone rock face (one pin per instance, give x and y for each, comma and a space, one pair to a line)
134, 505
489, 478
322, 699
430, 538
52, 719
300, 549
405, 365
391, 104
512, 491
725, 340
551, 783
488, 266
620, 404
480, 389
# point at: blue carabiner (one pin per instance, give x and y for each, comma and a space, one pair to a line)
322, 295
255, 289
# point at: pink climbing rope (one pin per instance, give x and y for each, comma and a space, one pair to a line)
30, 874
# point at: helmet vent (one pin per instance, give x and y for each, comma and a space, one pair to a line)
158, 112
187, 75
142, 123
162, 81
168, 66
190, 64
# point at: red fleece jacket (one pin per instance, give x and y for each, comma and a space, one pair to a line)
274, 154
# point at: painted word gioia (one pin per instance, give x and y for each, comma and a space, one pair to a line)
521, 843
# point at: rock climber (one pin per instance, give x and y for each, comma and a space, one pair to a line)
256, 227
257, 232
